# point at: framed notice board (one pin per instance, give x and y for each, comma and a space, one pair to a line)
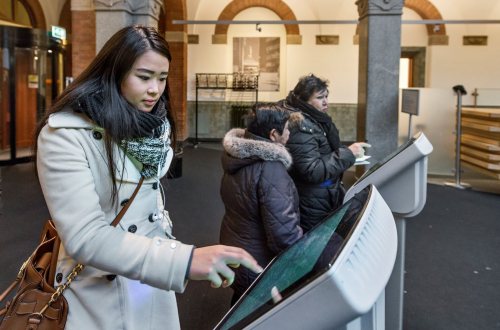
409, 102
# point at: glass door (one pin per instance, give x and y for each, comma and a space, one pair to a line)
31, 77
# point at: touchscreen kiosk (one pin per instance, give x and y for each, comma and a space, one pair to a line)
330, 276
401, 177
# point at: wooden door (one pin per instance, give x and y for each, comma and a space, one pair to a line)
26, 98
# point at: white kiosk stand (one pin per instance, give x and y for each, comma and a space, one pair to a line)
330, 276
401, 179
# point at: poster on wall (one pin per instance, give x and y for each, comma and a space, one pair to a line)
255, 55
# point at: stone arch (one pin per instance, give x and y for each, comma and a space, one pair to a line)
279, 7
427, 10
35, 12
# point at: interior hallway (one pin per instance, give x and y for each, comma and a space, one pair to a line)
452, 278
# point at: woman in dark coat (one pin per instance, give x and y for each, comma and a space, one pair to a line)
260, 199
319, 159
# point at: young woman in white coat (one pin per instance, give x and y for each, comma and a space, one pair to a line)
111, 126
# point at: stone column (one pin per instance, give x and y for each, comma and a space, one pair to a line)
112, 15
378, 93
378, 76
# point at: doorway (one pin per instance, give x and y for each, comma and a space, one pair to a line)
412, 67
31, 75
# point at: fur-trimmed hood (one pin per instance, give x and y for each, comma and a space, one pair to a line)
295, 120
238, 146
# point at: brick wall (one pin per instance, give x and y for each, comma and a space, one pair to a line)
83, 39
177, 82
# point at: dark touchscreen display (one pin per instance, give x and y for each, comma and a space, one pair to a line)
389, 157
305, 260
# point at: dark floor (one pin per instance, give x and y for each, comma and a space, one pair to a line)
452, 278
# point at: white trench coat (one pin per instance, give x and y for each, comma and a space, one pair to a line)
74, 177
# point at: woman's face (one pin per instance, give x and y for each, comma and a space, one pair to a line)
145, 82
319, 100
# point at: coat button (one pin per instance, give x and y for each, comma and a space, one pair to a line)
155, 185
132, 229
151, 218
110, 277
59, 277
123, 202
97, 135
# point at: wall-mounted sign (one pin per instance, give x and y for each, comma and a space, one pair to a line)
32, 81
58, 32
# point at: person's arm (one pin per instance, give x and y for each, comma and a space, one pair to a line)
279, 213
309, 165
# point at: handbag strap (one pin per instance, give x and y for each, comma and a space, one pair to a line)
79, 267
124, 209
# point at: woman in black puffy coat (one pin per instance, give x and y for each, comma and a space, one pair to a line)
260, 199
319, 158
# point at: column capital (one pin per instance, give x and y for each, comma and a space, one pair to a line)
82, 5
379, 7
135, 7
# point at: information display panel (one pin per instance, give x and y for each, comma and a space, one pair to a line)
321, 280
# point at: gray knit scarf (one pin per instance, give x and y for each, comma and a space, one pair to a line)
149, 153
149, 148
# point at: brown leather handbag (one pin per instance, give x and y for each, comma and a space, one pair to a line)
37, 304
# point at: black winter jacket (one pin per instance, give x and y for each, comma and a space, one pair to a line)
319, 161
260, 199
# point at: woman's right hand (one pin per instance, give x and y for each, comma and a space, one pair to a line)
358, 150
212, 263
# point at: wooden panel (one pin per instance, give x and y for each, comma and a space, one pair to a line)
482, 170
492, 113
480, 163
484, 155
481, 140
480, 121
487, 127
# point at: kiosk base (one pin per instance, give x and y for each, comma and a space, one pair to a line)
387, 312
394, 289
373, 320
458, 185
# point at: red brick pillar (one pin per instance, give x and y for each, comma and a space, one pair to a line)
178, 81
82, 34
176, 36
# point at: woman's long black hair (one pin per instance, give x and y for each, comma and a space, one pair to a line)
104, 76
